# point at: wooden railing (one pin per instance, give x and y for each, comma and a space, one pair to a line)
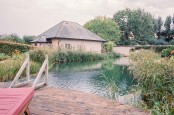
43, 69
26, 65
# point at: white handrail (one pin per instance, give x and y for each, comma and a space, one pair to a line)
43, 69
26, 65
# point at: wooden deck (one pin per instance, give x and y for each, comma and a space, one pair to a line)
54, 101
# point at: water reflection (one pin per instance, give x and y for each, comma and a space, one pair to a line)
101, 78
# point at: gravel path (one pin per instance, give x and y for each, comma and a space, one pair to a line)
54, 101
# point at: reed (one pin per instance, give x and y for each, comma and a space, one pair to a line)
56, 56
9, 68
155, 77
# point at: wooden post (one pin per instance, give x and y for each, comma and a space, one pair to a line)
28, 67
24, 65
46, 70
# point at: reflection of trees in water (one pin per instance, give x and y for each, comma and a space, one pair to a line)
75, 67
116, 78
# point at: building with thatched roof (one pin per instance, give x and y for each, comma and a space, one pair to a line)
71, 36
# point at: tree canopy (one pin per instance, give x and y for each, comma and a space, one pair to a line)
11, 37
104, 27
28, 39
138, 22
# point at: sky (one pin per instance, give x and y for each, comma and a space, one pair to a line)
32, 17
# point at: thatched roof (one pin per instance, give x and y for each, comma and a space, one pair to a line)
68, 30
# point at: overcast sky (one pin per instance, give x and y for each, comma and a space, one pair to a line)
32, 17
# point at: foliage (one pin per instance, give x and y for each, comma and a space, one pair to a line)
10, 47
62, 57
109, 46
168, 32
3, 56
168, 23
12, 38
105, 28
28, 39
155, 77
139, 22
157, 49
114, 77
160, 23
10, 67
56, 56
37, 55
167, 52
171, 42
159, 41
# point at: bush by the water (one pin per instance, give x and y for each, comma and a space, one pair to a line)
9, 48
10, 65
156, 81
57, 56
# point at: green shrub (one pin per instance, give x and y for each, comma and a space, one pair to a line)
165, 52
34, 67
3, 57
157, 49
70, 56
9, 48
109, 46
37, 55
155, 77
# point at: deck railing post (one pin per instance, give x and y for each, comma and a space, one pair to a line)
28, 67
46, 70
18, 75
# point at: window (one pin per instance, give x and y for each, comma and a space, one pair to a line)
67, 46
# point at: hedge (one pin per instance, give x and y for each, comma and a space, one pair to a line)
9, 48
156, 48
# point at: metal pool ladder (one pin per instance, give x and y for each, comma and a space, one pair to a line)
35, 84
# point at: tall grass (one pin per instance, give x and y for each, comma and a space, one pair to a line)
156, 80
10, 67
56, 56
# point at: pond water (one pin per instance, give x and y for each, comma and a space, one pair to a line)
104, 78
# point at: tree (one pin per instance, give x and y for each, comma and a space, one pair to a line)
28, 39
158, 23
137, 21
11, 37
173, 19
167, 23
104, 27
173, 23
109, 46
